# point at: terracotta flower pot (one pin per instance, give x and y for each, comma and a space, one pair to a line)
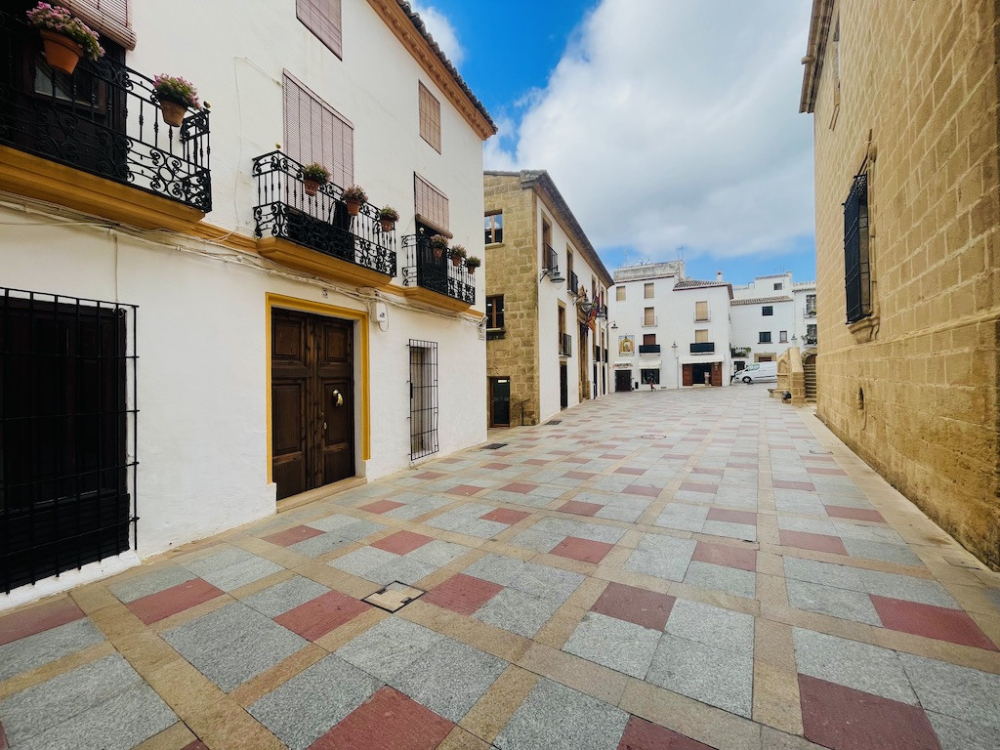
456, 260
353, 207
387, 225
173, 112
438, 252
311, 186
61, 52
472, 270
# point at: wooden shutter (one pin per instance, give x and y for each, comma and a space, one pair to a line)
701, 310
430, 204
649, 317
647, 291
701, 336
620, 293
112, 18
322, 18
315, 132
430, 118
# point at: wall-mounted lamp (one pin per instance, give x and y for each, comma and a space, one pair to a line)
674, 347
602, 313
554, 276
614, 325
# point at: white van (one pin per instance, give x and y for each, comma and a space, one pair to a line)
759, 372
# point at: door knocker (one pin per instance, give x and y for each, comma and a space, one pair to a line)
338, 398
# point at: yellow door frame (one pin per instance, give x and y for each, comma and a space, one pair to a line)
283, 302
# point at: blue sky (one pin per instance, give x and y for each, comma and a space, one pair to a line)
670, 126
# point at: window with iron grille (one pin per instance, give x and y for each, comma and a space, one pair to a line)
423, 398
857, 274
322, 18
430, 118
67, 433
494, 311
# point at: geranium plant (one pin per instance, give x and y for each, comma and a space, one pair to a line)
472, 263
438, 242
176, 89
61, 21
316, 173
388, 213
355, 194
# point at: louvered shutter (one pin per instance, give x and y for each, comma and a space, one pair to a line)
322, 18
315, 132
430, 118
112, 18
430, 204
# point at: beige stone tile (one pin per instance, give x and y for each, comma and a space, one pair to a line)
773, 645
770, 564
560, 626
146, 651
94, 597
776, 698
459, 739
716, 598
771, 590
501, 643
225, 724
351, 629
638, 580
176, 737
186, 690
252, 691
572, 671
116, 620
494, 709
772, 739
55, 668
339, 580
564, 563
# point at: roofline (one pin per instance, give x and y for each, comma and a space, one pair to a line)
706, 285
413, 35
819, 30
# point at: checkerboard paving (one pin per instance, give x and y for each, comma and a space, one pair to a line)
706, 569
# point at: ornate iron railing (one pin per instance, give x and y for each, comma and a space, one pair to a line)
320, 222
565, 345
551, 260
705, 347
102, 119
436, 271
739, 351
573, 283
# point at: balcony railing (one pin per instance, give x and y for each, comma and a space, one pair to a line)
649, 348
809, 340
320, 222
551, 260
809, 312
705, 347
573, 283
426, 268
102, 119
739, 351
565, 345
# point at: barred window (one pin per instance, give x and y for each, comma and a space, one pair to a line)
322, 18
430, 118
857, 274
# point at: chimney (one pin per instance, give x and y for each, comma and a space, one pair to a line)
718, 275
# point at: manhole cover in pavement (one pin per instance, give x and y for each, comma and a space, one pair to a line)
652, 437
493, 446
394, 597
553, 421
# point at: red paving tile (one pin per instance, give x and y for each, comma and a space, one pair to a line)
464, 489
784, 484
573, 460
579, 508
503, 515
402, 542
815, 542
430, 475
523, 487
699, 487
27, 622
641, 489
536, 461
382, 506
196, 745
319, 616
631, 471
583, 550
642, 735
646, 608
561, 453
463, 594
291, 536
388, 721
162, 604
856, 514
724, 554
578, 475
732, 516
940, 623
497, 466
613, 456
846, 719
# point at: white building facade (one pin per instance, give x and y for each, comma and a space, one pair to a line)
769, 315
189, 335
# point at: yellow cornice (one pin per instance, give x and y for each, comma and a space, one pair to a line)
319, 264
414, 42
443, 301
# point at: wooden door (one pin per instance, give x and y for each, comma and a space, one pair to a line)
312, 401
688, 375
623, 380
717, 373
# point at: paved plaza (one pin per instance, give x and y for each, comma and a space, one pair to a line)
651, 571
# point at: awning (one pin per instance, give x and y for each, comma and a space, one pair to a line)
623, 364
704, 359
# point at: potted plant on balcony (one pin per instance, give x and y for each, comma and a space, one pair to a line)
458, 254
65, 37
388, 216
472, 263
438, 243
313, 176
175, 96
354, 196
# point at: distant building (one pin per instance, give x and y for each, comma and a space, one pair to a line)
771, 314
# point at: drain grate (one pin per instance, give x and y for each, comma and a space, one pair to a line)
552, 422
394, 597
493, 446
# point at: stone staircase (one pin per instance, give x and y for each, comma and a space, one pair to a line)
809, 370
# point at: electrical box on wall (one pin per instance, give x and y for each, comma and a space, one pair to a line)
381, 313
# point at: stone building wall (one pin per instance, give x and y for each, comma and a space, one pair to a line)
513, 272
913, 390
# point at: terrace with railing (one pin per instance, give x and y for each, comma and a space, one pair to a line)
437, 270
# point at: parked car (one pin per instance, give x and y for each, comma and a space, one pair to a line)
759, 372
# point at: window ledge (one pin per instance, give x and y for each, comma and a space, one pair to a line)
493, 244
864, 330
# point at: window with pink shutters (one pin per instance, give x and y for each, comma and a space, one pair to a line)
322, 18
112, 18
430, 204
315, 132
430, 118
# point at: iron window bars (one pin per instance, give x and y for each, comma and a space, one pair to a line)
565, 345
857, 277
320, 222
103, 119
423, 398
68, 433
436, 272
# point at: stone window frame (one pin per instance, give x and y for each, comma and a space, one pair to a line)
493, 228
494, 320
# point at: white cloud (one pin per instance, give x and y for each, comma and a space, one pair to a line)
440, 28
668, 124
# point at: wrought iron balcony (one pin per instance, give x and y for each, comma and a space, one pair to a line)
649, 348
435, 271
573, 283
809, 340
319, 222
103, 119
551, 260
809, 312
565, 345
705, 347
739, 351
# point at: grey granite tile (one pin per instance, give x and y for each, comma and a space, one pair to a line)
35, 650
827, 600
233, 644
539, 541
364, 562
712, 626
449, 678
320, 545
807, 525
496, 569
614, 483
613, 643
959, 692
232, 568
721, 578
826, 574
517, 612
960, 734
731, 530
437, 553
285, 596
709, 674
684, 517
333, 523
855, 665
555, 717
909, 588
482, 529
389, 647
360, 530
593, 531
518, 498
546, 582
849, 530
308, 705
894, 553
402, 569
135, 588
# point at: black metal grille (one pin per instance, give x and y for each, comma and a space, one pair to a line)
68, 433
573, 283
551, 260
565, 345
320, 222
103, 119
436, 271
423, 398
857, 279
705, 347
